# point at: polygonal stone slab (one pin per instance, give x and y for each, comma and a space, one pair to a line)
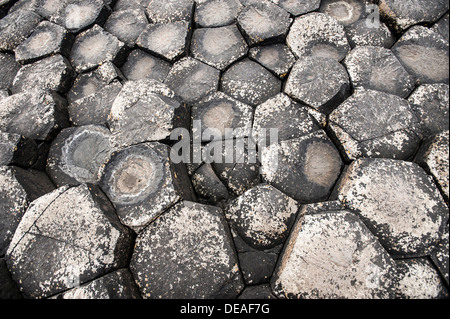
220, 112
142, 183
440, 255
321, 83
16, 27
94, 47
47, 39
433, 156
424, 54
250, 83
167, 40
17, 150
377, 68
52, 73
192, 80
126, 25
207, 185
217, 13
77, 155
298, 7
262, 216
442, 27
408, 221
430, 103
403, 14
133, 4
140, 65
36, 114
362, 33
291, 119
346, 12
189, 246
116, 285
264, 21
332, 255
166, 11
277, 58
375, 124
304, 168
218, 47
18, 187
145, 110
8, 70
318, 34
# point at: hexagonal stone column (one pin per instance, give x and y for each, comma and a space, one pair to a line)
187, 253
140, 65
408, 221
126, 25
67, 237
377, 68
298, 7
208, 186
15, 27
361, 33
331, 254
218, 47
217, 13
304, 168
277, 57
424, 54
346, 12
142, 182
318, 34
166, 11
375, 124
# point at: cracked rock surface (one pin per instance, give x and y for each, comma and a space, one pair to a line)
232, 149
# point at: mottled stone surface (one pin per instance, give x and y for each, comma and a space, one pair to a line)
140, 65
298, 7
8, 69
16, 27
127, 25
17, 150
362, 33
207, 185
217, 13
346, 12
278, 58
166, 11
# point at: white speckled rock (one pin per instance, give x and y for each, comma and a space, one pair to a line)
361, 34
217, 13
166, 11
277, 57
408, 221
141, 65
127, 25
16, 27
346, 12
298, 7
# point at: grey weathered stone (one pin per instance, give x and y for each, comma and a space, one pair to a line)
47, 39
142, 182
94, 47
278, 58
377, 68
424, 54
52, 73
440, 255
375, 124
126, 25
35, 114
257, 292
250, 83
140, 65
418, 279
257, 266
187, 253
430, 103
318, 34
18, 188
192, 80
18, 150
331, 254
218, 47
77, 155
167, 40
74, 235
116, 285
304, 168
442, 26
166, 11
298, 7
403, 14
361, 33
144, 111
262, 216
207, 185
217, 13
321, 83
8, 70
16, 27
133, 4
346, 12
8, 288
409, 221
220, 112
263, 22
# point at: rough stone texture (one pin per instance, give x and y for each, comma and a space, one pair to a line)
257, 292
278, 58
418, 279
407, 222
77, 155
307, 167
166, 11
8, 70
318, 34
16, 27
187, 253
442, 27
440, 255
375, 124
249, 82
18, 150
35, 114
264, 22
141, 65
144, 111
361, 33
126, 25
346, 12
8, 288
142, 182
430, 103
73, 234
424, 54
257, 266
207, 185
321, 83
377, 68
218, 47
332, 255
262, 216
217, 13
298, 7
192, 80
